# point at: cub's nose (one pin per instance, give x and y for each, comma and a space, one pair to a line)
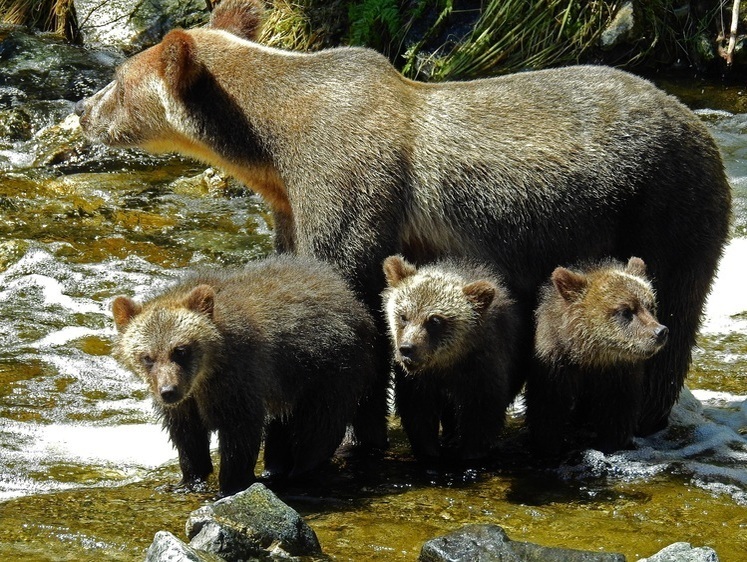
661, 333
407, 350
169, 393
80, 107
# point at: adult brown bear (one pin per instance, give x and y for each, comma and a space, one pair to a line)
526, 171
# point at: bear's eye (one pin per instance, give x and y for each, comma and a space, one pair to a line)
625, 314
435, 323
403, 319
147, 361
181, 354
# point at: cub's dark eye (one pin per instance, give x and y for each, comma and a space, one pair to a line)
625, 314
403, 319
181, 354
435, 322
147, 361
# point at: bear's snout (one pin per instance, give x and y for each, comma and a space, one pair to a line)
407, 352
80, 107
169, 393
661, 333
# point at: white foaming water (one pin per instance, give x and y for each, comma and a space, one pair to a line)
44, 301
120, 454
728, 297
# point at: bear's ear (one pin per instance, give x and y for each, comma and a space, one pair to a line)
396, 269
124, 310
636, 266
570, 285
179, 68
201, 299
242, 18
480, 294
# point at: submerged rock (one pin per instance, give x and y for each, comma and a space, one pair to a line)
252, 523
490, 543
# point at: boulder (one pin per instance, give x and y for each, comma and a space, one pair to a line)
252, 523
166, 547
490, 543
683, 552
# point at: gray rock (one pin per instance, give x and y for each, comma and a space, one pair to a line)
133, 25
620, 29
489, 543
167, 548
251, 523
683, 552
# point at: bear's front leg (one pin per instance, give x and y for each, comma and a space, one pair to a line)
192, 441
239, 449
417, 406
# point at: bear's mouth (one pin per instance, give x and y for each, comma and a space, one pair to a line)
409, 364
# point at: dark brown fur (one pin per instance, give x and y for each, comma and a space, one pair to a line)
454, 332
282, 348
523, 171
595, 328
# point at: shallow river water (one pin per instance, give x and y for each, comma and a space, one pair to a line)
83, 464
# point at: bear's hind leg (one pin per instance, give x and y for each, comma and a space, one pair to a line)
316, 431
278, 455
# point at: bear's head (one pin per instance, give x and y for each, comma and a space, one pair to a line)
609, 314
170, 342
432, 314
146, 105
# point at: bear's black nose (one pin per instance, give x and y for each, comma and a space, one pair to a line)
80, 107
407, 350
661, 333
169, 394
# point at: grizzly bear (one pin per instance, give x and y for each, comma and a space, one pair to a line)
595, 328
282, 349
524, 171
453, 327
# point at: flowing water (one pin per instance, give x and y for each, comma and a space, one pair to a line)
83, 462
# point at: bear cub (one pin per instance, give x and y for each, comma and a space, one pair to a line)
453, 327
280, 349
595, 328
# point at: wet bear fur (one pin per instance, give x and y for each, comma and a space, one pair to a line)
595, 328
524, 171
454, 330
282, 349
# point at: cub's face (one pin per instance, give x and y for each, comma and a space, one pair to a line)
170, 346
430, 323
624, 309
609, 315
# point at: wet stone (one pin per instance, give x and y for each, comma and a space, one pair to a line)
490, 543
252, 523
683, 552
166, 546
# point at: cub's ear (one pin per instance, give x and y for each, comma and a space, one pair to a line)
636, 266
201, 299
179, 68
480, 294
396, 269
124, 310
570, 285
243, 18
